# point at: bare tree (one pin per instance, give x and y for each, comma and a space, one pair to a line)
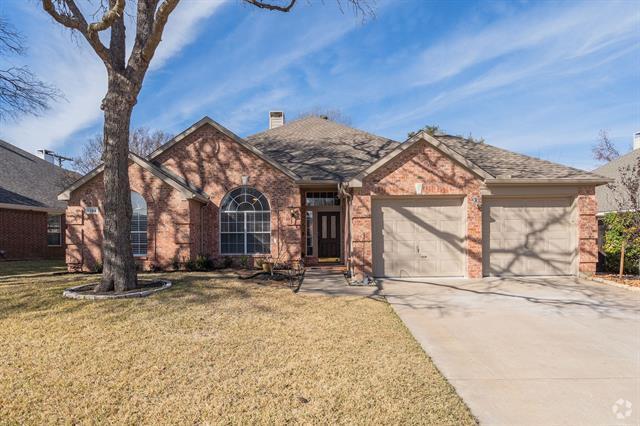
430, 129
21, 92
333, 114
604, 150
626, 193
124, 81
142, 141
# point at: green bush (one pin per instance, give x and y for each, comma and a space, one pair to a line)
97, 267
615, 224
227, 261
203, 263
190, 265
244, 261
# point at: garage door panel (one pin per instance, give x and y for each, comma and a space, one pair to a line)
427, 237
529, 236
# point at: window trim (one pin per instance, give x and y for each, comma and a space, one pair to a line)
145, 232
244, 232
59, 233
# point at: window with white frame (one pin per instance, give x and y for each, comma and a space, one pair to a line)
325, 198
139, 225
54, 230
245, 222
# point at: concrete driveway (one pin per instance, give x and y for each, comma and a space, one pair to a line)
530, 351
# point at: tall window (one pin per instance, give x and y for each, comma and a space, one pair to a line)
245, 222
309, 233
54, 231
138, 225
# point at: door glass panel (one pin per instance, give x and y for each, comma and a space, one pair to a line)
324, 226
333, 227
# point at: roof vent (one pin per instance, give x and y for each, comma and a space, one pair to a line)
276, 119
636, 141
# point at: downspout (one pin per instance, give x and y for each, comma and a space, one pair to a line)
343, 189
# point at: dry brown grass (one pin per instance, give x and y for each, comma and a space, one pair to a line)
212, 351
28, 267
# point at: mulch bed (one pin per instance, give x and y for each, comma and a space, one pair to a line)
630, 280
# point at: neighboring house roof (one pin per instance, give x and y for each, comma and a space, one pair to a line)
29, 182
604, 194
189, 191
495, 165
319, 149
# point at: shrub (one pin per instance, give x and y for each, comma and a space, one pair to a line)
176, 263
190, 265
244, 261
203, 263
613, 238
97, 267
226, 262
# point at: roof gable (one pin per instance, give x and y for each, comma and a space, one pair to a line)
160, 172
495, 165
208, 121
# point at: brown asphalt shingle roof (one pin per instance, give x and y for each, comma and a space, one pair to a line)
27, 180
316, 148
497, 161
607, 201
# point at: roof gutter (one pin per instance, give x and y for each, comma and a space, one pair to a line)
511, 181
54, 210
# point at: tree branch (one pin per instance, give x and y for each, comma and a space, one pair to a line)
73, 18
109, 17
159, 22
271, 6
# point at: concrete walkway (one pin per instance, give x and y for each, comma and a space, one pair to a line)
554, 351
331, 282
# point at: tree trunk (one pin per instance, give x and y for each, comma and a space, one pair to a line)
624, 243
119, 269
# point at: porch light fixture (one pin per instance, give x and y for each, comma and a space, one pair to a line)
476, 201
245, 180
419, 188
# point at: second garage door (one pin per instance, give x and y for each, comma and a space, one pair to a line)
529, 237
418, 237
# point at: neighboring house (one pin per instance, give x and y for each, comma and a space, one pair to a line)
431, 206
31, 217
607, 200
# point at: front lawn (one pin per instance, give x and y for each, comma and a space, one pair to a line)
28, 267
212, 351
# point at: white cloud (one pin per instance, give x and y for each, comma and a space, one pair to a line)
183, 27
70, 65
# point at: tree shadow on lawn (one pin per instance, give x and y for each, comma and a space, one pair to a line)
43, 297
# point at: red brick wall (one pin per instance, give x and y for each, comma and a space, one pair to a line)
23, 235
180, 229
168, 216
216, 163
587, 230
439, 176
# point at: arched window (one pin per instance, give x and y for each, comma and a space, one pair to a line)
245, 222
138, 225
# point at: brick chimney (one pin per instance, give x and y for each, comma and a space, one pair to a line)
276, 119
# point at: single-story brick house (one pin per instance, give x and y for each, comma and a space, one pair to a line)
31, 217
315, 189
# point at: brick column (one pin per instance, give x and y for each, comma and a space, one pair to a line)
474, 236
361, 235
587, 230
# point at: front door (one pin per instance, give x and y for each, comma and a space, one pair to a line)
329, 235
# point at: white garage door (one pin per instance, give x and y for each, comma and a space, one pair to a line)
418, 237
528, 237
